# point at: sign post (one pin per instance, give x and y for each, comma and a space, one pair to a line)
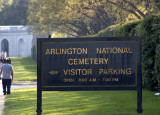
139, 85
71, 64
39, 90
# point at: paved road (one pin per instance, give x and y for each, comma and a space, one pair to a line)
25, 84
15, 85
2, 98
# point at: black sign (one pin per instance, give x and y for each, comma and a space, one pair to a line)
89, 63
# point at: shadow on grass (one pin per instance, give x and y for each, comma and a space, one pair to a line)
88, 103
23, 102
25, 69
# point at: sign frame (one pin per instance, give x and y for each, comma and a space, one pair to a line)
41, 88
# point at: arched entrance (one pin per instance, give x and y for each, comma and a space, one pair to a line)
21, 47
5, 46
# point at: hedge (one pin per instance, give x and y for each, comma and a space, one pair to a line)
149, 31
34, 52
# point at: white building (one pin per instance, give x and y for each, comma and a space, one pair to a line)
16, 41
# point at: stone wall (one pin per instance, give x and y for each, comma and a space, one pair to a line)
16, 40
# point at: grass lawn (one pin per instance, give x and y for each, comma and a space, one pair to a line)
23, 102
25, 69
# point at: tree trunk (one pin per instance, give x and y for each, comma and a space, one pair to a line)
123, 8
136, 9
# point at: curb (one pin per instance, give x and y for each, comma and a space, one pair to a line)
24, 83
2, 100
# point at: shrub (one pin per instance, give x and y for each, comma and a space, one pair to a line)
149, 31
128, 29
150, 39
157, 66
34, 52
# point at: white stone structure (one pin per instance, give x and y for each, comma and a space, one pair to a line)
16, 41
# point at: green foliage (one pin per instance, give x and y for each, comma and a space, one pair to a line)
34, 52
14, 12
150, 40
58, 35
110, 31
157, 66
84, 17
128, 29
149, 31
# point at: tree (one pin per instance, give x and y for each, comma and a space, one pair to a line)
153, 5
82, 17
14, 12
44, 14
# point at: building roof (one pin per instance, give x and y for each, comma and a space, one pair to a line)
16, 28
